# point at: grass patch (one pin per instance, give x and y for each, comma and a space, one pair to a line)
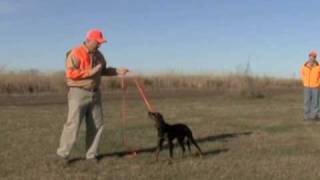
243, 139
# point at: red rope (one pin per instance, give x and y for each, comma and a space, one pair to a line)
124, 116
143, 95
124, 111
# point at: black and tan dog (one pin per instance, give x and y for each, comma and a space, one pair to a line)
168, 132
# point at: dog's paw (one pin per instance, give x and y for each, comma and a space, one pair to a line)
201, 156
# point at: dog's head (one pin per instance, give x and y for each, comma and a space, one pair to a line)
156, 116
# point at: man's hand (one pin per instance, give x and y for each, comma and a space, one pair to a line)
96, 69
122, 71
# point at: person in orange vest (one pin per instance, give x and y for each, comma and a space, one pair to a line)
311, 81
85, 65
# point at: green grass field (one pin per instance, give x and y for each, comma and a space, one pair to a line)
243, 139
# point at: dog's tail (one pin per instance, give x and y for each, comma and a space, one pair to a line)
192, 140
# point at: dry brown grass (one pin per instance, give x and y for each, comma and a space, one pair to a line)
232, 83
243, 139
34, 82
31, 81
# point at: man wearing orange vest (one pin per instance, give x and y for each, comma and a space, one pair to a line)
84, 67
311, 80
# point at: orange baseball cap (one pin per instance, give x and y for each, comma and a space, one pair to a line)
313, 53
96, 34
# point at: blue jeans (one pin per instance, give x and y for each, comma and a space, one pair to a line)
311, 103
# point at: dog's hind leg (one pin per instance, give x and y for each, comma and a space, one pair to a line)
181, 143
188, 144
195, 144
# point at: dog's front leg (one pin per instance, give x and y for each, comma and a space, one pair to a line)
170, 147
159, 147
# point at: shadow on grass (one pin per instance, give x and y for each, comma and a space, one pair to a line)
215, 152
76, 159
125, 153
221, 137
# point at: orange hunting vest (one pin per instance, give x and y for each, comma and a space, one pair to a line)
311, 76
79, 64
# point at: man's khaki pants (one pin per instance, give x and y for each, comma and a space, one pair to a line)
83, 105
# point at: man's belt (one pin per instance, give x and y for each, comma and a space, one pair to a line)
86, 89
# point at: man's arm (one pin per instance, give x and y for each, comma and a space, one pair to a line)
105, 71
110, 71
